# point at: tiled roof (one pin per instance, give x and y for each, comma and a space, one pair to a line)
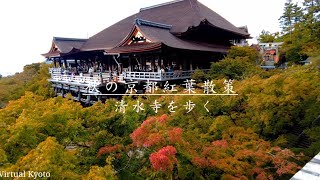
65, 45
174, 17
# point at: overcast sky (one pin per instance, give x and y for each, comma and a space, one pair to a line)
27, 26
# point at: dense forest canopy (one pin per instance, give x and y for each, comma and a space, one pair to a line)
268, 131
252, 135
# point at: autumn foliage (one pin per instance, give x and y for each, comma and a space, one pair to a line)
108, 149
242, 152
164, 159
155, 131
248, 136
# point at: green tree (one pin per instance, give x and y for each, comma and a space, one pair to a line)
239, 63
33, 78
101, 173
303, 39
3, 159
251, 53
312, 9
266, 37
49, 156
292, 14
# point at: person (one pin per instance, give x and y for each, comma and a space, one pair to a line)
110, 75
170, 70
162, 69
91, 71
100, 76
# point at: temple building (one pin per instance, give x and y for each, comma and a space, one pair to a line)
165, 42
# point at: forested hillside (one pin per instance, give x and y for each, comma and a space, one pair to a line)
33, 78
268, 131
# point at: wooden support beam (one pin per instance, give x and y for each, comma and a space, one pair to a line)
55, 91
79, 93
88, 99
62, 90
65, 62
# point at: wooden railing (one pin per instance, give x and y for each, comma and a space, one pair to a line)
55, 70
58, 75
159, 76
77, 79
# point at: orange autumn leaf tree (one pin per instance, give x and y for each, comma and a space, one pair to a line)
242, 152
156, 131
164, 159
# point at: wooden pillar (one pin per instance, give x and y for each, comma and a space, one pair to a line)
88, 99
129, 64
65, 62
152, 63
60, 63
191, 65
76, 62
62, 90
54, 62
185, 64
160, 62
55, 91
79, 93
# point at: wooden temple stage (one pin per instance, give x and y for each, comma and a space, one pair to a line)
164, 42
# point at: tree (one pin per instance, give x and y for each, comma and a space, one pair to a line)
251, 53
312, 9
292, 14
266, 37
0, 76
286, 18
101, 173
3, 158
312, 21
164, 159
49, 156
33, 78
301, 30
241, 154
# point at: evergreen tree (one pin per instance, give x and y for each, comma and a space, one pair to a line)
292, 14
287, 17
297, 14
312, 16
312, 9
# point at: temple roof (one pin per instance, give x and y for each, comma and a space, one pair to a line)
176, 24
178, 16
162, 36
64, 45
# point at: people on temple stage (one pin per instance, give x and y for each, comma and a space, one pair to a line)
100, 77
65, 72
163, 69
110, 75
91, 71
